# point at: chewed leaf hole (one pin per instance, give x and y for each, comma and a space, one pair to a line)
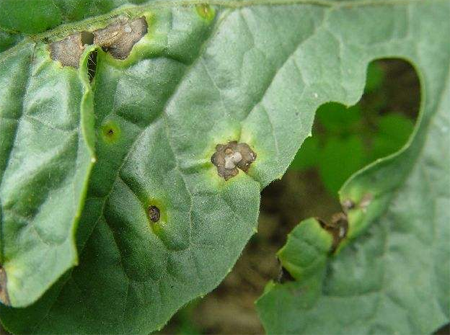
231, 157
285, 276
346, 139
444, 330
92, 65
87, 38
153, 213
110, 132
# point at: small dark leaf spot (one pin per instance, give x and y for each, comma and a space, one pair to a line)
153, 213
231, 157
110, 132
4, 298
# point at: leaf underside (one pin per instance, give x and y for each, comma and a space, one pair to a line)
248, 72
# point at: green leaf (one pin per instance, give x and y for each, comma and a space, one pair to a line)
160, 226
390, 275
158, 121
36, 16
307, 156
393, 131
375, 78
338, 119
339, 159
46, 155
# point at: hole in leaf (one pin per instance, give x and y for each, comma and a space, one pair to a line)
87, 38
285, 276
92, 65
347, 139
444, 330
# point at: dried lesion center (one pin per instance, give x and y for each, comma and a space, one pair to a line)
231, 157
118, 39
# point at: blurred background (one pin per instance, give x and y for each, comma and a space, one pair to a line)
344, 140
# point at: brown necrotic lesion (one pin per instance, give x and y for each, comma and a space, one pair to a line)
118, 39
153, 214
231, 157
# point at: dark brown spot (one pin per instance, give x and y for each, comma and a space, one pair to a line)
231, 157
4, 298
110, 132
338, 228
119, 38
153, 213
68, 51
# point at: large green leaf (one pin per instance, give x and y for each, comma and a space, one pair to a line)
394, 276
252, 72
46, 154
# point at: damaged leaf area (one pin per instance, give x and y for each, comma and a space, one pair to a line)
231, 157
46, 155
147, 237
337, 227
359, 274
68, 51
4, 299
149, 230
117, 39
